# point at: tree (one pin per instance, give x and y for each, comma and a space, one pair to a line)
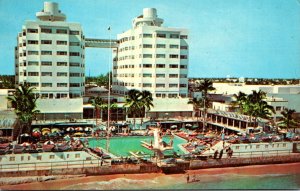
197, 104
288, 121
98, 103
205, 86
24, 102
136, 102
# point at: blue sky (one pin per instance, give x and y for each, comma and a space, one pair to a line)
249, 38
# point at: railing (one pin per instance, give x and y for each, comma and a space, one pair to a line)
54, 165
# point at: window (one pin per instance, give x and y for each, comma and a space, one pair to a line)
33, 84
173, 66
183, 56
44, 96
147, 65
74, 74
183, 36
147, 75
159, 35
278, 108
160, 55
173, 85
158, 95
38, 157
147, 35
46, 84
147, 55
174, 46
160, 46
174, 35
74, 64
59, 42
183, 85
147, 85
74, 44
12, 158
173, 56
183, 66
183, 75
77, 155
46, 42
22, 158
61, 53
46, 63
173, 75
160, 75
266, 146
44, 52
62, 64
74, 32
74, 84
61, 31
46, 73
160, 85
160, 65
257, 146
51, 156
33, 74
183, 47
172, 95
33, 63
74, 54
284, 144
32, 30
147, 45
32, 42
62, 74
33, 52
62, 85
45, 30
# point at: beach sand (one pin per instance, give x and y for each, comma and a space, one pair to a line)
160, 178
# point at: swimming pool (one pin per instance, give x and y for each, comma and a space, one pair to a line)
121, 146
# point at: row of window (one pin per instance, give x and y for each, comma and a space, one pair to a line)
172, 56
59, 95
149, 85
50, 30
48, 52
65, 74
48, 84
258, 146
148, 75
49, 63
58, 42
171, 46
39, 157
152, 66
158, 35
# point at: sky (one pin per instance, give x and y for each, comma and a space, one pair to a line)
237, 38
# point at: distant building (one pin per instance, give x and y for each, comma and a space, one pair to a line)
152, 57
50, 56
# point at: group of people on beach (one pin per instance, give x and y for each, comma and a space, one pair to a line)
218, 155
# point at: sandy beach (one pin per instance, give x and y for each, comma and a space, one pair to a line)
159, 178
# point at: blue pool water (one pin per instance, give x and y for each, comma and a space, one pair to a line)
121, 146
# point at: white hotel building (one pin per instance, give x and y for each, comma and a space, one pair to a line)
152, 57
50, 57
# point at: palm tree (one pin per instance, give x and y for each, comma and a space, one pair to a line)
98, 103
288, 121
197, 104
24, 102
136, 102
240, 99
132, 104
205, 86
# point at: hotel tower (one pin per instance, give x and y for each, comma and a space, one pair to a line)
50, 57
152, 57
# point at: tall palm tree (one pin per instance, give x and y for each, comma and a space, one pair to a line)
98, 103
197, 104
132, 104
146, 102
24, 102
288, 121
205, 86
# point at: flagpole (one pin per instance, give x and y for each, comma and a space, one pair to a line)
108, 103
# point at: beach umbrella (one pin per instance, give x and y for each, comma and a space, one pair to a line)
36, 134
67, 137
78, 128
25, 144
54, 130
36, 130
188, 125
88, 129
173, 126
25, 135
70, 129
45, 131
49, 143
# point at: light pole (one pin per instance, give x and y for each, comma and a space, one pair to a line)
108, 102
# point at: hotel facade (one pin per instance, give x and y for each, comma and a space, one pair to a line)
50, 56
152, 57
